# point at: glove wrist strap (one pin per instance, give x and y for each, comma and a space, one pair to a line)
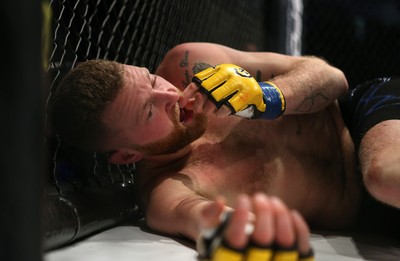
274, 99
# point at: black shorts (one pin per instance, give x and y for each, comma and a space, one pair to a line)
365, 106
369, 104
375, 217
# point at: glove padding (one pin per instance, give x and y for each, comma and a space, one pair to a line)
231, 85
212, 247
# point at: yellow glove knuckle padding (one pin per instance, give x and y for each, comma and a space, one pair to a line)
232, 85
223, 253
206, 73
215, 248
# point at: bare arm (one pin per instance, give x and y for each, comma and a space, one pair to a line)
380, 161
309, 84
174, 209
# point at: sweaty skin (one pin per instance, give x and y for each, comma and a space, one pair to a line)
305, 157
292, 159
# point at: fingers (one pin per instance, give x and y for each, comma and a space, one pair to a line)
264, 233
210, 217
302, 232
260, 228
285, 234
223, 111
204, 105
235, 233
201, 103
274, 225
188, 94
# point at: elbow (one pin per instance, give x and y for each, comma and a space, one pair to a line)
178, 50
175, 54
181, 51
383, 182
167, 67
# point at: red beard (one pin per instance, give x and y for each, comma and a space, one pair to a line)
180, 137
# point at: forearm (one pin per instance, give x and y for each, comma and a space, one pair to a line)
177, 216
310, 85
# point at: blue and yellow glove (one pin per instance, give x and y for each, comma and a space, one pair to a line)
231, 85
212, 247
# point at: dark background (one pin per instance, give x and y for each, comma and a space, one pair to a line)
38, 174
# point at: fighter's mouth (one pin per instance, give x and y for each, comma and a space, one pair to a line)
182, 115
185, 115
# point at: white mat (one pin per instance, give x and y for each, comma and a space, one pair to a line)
130, 243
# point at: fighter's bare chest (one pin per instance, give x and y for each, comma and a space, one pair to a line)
216, 171
261, 158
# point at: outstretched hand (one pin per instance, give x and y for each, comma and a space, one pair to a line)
260, 228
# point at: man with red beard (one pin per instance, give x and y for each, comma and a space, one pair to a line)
198, 158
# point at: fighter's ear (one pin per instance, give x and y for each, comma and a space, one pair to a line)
125, 156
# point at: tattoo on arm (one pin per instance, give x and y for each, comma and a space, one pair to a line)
307, 104
198, 67
184, 63
309, 101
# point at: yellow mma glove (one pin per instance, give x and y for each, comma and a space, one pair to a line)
212, 247
256, 253
231, 85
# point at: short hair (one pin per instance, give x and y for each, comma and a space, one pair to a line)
77, 104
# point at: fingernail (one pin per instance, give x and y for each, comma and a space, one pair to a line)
260, 197
277, 201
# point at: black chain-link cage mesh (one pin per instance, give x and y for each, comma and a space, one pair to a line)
86, 193
361, 37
